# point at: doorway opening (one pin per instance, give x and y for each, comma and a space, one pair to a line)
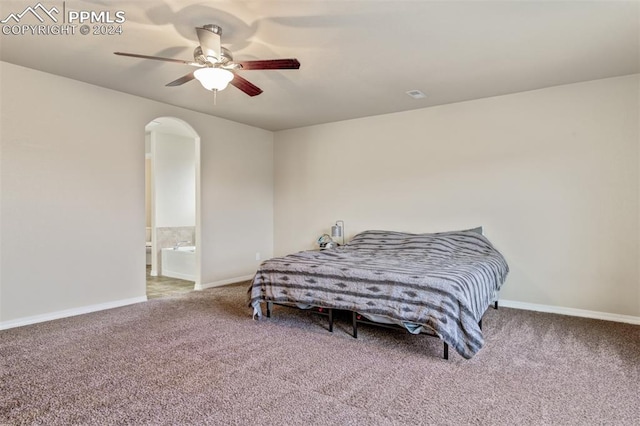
172, 206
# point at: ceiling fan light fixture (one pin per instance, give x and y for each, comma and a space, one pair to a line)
216, 68
213, 78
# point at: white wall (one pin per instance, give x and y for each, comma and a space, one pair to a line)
175, 180
551, 174
72, 216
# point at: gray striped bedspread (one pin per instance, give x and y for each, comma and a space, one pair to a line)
443, 281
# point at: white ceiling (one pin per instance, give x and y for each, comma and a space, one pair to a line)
358, 58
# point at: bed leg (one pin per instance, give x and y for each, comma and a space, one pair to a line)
354, 322
445, 355
269, 308
480, 323
330, 320
495, 305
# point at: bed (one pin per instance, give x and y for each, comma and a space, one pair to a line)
439, 284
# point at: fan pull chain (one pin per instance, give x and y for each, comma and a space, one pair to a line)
215, 97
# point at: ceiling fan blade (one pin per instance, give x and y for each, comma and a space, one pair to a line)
270, 64
246, 86
158, 58
182, 80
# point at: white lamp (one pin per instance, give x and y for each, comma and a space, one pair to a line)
338, 230
213, 78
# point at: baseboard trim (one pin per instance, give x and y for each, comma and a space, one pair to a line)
4, 325
224, 282
179, 275
629, 319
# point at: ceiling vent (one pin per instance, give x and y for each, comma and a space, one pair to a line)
416, 94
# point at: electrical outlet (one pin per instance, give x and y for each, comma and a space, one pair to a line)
258, 255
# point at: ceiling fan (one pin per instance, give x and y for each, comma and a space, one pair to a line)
216, 67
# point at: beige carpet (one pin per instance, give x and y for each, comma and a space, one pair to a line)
200, 359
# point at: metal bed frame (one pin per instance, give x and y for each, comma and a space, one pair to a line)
359, 319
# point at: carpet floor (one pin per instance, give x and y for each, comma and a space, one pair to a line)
199, 359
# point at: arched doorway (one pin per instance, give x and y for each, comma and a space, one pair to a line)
172, 205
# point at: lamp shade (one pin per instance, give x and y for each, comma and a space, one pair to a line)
213, 78
337, 230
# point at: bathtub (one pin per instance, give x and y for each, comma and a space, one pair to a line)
179, 263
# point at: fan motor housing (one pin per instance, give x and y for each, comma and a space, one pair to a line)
199, 57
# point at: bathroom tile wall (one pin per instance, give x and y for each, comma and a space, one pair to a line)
168, 237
